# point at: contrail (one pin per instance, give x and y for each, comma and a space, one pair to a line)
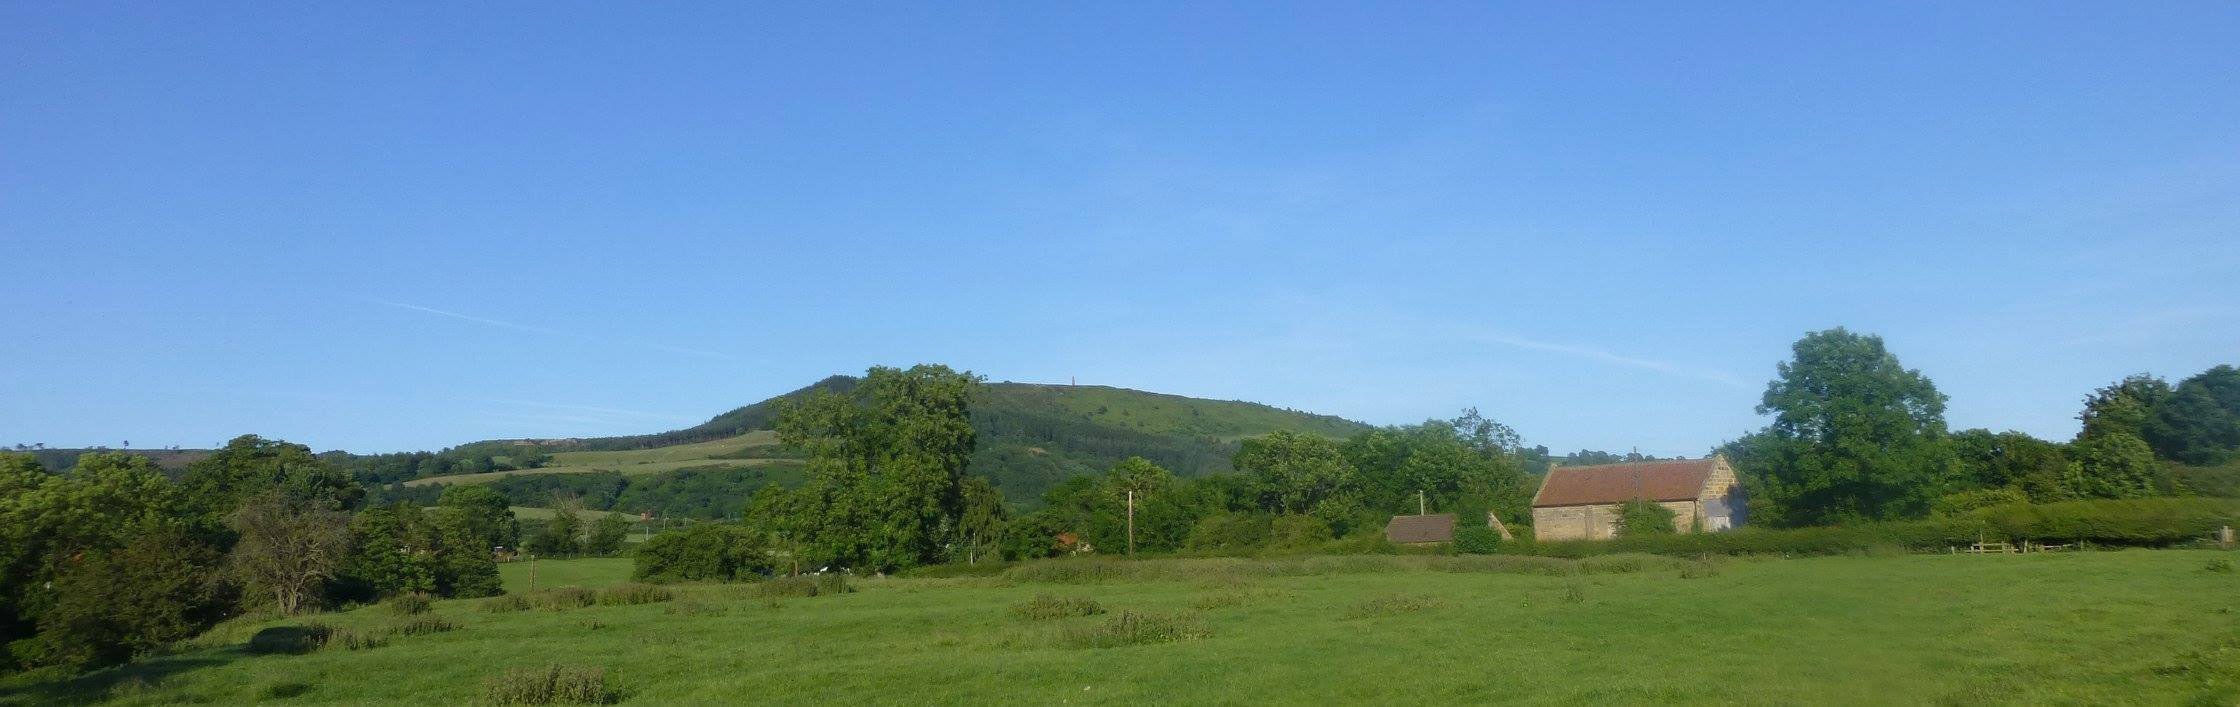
471, 318
1664, 367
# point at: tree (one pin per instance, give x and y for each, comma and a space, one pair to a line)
563, 534
2110, 457
887, 464
1134, 480
607, 534
1296, 473
1855, 436
290, 546
2034, 467
249, 465
50, 522
161, 588
704, 551
486, 515
983, 517
2199, 422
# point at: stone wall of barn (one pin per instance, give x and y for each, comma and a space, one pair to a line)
1600, 521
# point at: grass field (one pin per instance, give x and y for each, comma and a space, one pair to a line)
633, 461
2154, 627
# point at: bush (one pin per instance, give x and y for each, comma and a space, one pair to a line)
1130, 628
423, 625
1050, 606
2220, 566
504, 603
1229, 532
706, 551
632, 593
566, 598
1476, 540
607, 534
550, 685
1293, 532
1641, 516
409, 604
289, 640
353, 639
805, 585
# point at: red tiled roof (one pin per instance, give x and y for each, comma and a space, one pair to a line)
1434, 528
1678, 480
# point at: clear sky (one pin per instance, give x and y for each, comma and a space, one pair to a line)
376, 227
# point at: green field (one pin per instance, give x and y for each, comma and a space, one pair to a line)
2142, 626
633, 461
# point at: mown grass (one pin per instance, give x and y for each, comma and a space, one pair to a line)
2127, 627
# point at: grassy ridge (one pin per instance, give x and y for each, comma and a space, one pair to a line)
1031, 436
2105, 627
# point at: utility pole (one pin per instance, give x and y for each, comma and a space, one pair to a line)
1131, 522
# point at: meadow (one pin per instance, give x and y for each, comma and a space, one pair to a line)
729, 451
2134, 626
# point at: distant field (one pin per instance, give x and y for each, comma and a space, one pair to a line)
592, 572
634, 462
546, 513
2130, 627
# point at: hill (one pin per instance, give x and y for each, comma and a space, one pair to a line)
1031, 437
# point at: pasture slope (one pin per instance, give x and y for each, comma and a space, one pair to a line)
1032, 436
2137, 626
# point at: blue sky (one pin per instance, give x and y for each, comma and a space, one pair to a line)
387, 227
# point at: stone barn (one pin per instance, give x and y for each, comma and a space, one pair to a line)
1581, 502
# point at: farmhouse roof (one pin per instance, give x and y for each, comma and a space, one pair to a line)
1433, 528
1677, 480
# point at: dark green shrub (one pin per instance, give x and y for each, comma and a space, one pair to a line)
1130, 628
1229, 532
607, 534
409, 604
805, 585
163, 587
1294, 532
1476, 540
504, 603
1051, 606
706, 551
283, 690
632, 593
549, 685
1640, 517
2143, 522
289, 640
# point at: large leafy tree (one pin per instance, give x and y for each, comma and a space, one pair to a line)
1298, 473
1855, 435
2199, 422
250, 465
887, 464
2110, 457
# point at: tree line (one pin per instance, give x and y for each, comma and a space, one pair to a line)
112, 557
1856, 436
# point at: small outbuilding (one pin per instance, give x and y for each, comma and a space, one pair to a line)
1581, 502
1420, 530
